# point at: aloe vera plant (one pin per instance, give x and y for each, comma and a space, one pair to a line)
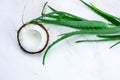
104, 31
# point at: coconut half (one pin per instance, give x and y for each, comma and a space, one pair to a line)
32, 38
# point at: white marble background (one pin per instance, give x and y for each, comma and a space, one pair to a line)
66, 60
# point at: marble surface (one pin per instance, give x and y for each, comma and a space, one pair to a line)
66, 60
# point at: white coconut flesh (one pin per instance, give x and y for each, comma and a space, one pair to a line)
33, 38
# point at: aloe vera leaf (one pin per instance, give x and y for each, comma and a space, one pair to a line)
99, 40
67, 35
109, 36
113, 19
115, 44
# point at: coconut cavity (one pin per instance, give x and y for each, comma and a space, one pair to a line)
33, 38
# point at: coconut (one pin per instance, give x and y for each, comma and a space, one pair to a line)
32, 38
